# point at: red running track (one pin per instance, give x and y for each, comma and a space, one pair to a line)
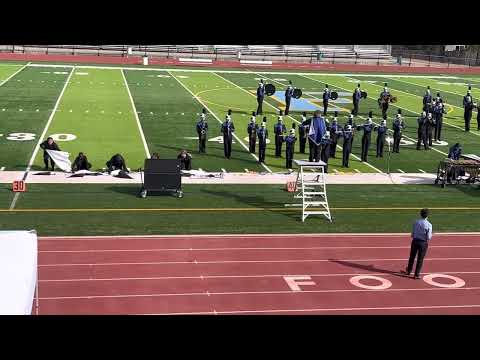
233, 274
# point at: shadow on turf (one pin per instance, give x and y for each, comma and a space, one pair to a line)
252, 200
369, 268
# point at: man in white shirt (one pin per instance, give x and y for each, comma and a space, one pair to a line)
421, 235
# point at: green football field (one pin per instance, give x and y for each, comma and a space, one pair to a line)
101, 111
105, 110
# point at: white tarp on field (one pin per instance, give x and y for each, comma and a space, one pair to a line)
60, 158
18, 272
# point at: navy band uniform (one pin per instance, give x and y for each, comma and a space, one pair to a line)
398, 126
381, 133
227, 130
260, 97
262, 140
422, 131
252, 129
303, 133
279, 129
367, 136
468, 107
290, 148
288, 97
202, 129
326, 97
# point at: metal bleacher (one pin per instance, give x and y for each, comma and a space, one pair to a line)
281, 53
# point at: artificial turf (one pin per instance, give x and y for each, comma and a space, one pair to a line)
205, 209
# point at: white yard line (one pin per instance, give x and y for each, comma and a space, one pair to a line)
15, 73
400, 170
142, 135
298, 122
407, 93
216, 117
422, 171
239, 71
37, 147
352, 155
409, 138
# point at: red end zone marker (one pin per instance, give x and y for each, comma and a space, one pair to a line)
294, 281
19, 186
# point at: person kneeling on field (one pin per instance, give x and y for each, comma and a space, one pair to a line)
185, 160
81, 163
117, 162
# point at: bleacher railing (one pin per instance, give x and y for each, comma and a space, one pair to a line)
282, 54
409, 58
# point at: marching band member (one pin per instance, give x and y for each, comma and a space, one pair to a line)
316, 132
381, 132
347, 135
262, 140
227, 130
260, 97
202, 128
427, 101
326, 97
334, 129
422, 131
302, 133
279, 129
288, 96
357, 95
384, 100
438, 111
430, 128
468, 106
439, 98
398, 126
290, 148
367, 136
478, 118
185, 160
252, 129
326, 149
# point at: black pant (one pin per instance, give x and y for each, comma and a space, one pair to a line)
325, 107
365, 147
467, 115
324, 155
438, 128
380, 144
260, 103
289, 157
478, 120
46, 157
430, 136
422, 137
227, 146
261, 152
355, 108
278, 145
252, 140
202, 141
384, 109
310, 150
333, 148
396, 142
303, 142
316, 152
347, 149
418, 247
287, 105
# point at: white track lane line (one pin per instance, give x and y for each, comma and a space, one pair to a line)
246, 261
281, 276
278, 292
321, 309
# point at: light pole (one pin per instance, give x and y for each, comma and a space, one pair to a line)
389, 141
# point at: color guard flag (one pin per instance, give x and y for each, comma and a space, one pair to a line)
60, 158
317, 130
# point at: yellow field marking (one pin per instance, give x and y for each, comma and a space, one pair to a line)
228, 209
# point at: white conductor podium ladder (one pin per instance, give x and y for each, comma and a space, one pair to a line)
311, 189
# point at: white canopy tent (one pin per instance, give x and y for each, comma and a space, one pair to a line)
18, 272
